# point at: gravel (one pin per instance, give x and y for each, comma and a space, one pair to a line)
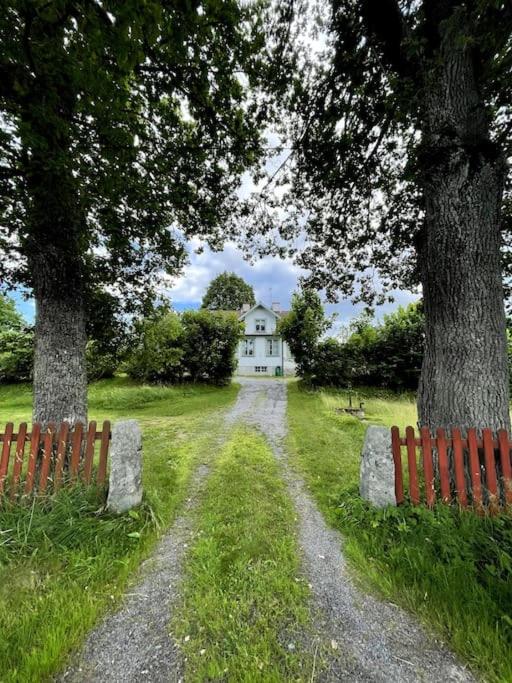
365, 639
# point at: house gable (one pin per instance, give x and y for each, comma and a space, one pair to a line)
260, 320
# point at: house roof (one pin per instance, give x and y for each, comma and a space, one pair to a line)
259, 304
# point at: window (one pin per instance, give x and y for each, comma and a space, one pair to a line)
272, 347
261, 324
248, 347
260, 368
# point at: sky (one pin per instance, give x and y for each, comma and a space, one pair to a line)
273, 280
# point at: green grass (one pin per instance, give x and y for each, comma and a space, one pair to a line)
452, 568
243, 602
64, 562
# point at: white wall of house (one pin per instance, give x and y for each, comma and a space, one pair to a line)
261, 351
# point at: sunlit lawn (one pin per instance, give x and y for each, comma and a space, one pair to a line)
452, 568
63, 564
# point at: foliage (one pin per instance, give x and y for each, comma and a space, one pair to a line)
356, 117
302, 329
120, 120
453, 568
100, 363
16, 355
388, 354
108, 331
158, 352
210, 340
16, 344
228, 292
67, 550
198, 345
241, 594
10, 319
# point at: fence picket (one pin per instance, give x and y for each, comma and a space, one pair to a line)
76, 450
6, 454
62, 442
47, 456
490, 470
32, 457
444, 468
397, 459
460, 475
414, 490
474, 468
506, 467
428, 466
18, 459
89, 452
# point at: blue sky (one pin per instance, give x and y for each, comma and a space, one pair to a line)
273, 279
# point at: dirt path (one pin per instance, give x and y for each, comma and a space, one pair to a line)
133, 644
376, 641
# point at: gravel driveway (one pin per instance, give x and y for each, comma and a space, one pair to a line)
373, 640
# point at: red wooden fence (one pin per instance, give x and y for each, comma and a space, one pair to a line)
53, 455
474, 470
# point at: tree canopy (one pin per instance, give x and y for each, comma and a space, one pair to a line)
302, 329
354, 176
126, 128
228, 292
140, 107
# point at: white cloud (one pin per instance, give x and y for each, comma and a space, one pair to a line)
272, 278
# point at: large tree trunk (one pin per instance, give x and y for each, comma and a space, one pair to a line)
464, 380
56, 235
55, 265
60, 383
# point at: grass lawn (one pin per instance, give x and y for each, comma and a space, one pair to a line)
452, 568
244, 608
63, 565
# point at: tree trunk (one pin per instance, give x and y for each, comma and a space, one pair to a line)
464, 379
60, 383
54, 254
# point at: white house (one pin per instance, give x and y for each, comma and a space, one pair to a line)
262, 351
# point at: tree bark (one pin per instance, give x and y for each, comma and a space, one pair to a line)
60, 381
464, 379
55, 257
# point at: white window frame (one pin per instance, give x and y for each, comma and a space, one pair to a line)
260, 324
270, 344
248, 348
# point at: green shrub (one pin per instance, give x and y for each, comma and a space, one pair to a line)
210, 340
16, 355
386, 355
158, 352
101, 364
333, 364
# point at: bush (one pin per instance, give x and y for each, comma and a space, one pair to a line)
101, 364
16, 356
158, 354
333, 364
210, 341
387, 355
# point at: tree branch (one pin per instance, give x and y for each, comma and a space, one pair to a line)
387, 29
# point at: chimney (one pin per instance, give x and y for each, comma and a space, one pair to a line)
246, 307
276, 306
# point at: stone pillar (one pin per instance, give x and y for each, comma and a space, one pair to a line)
125, 484
377, 480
